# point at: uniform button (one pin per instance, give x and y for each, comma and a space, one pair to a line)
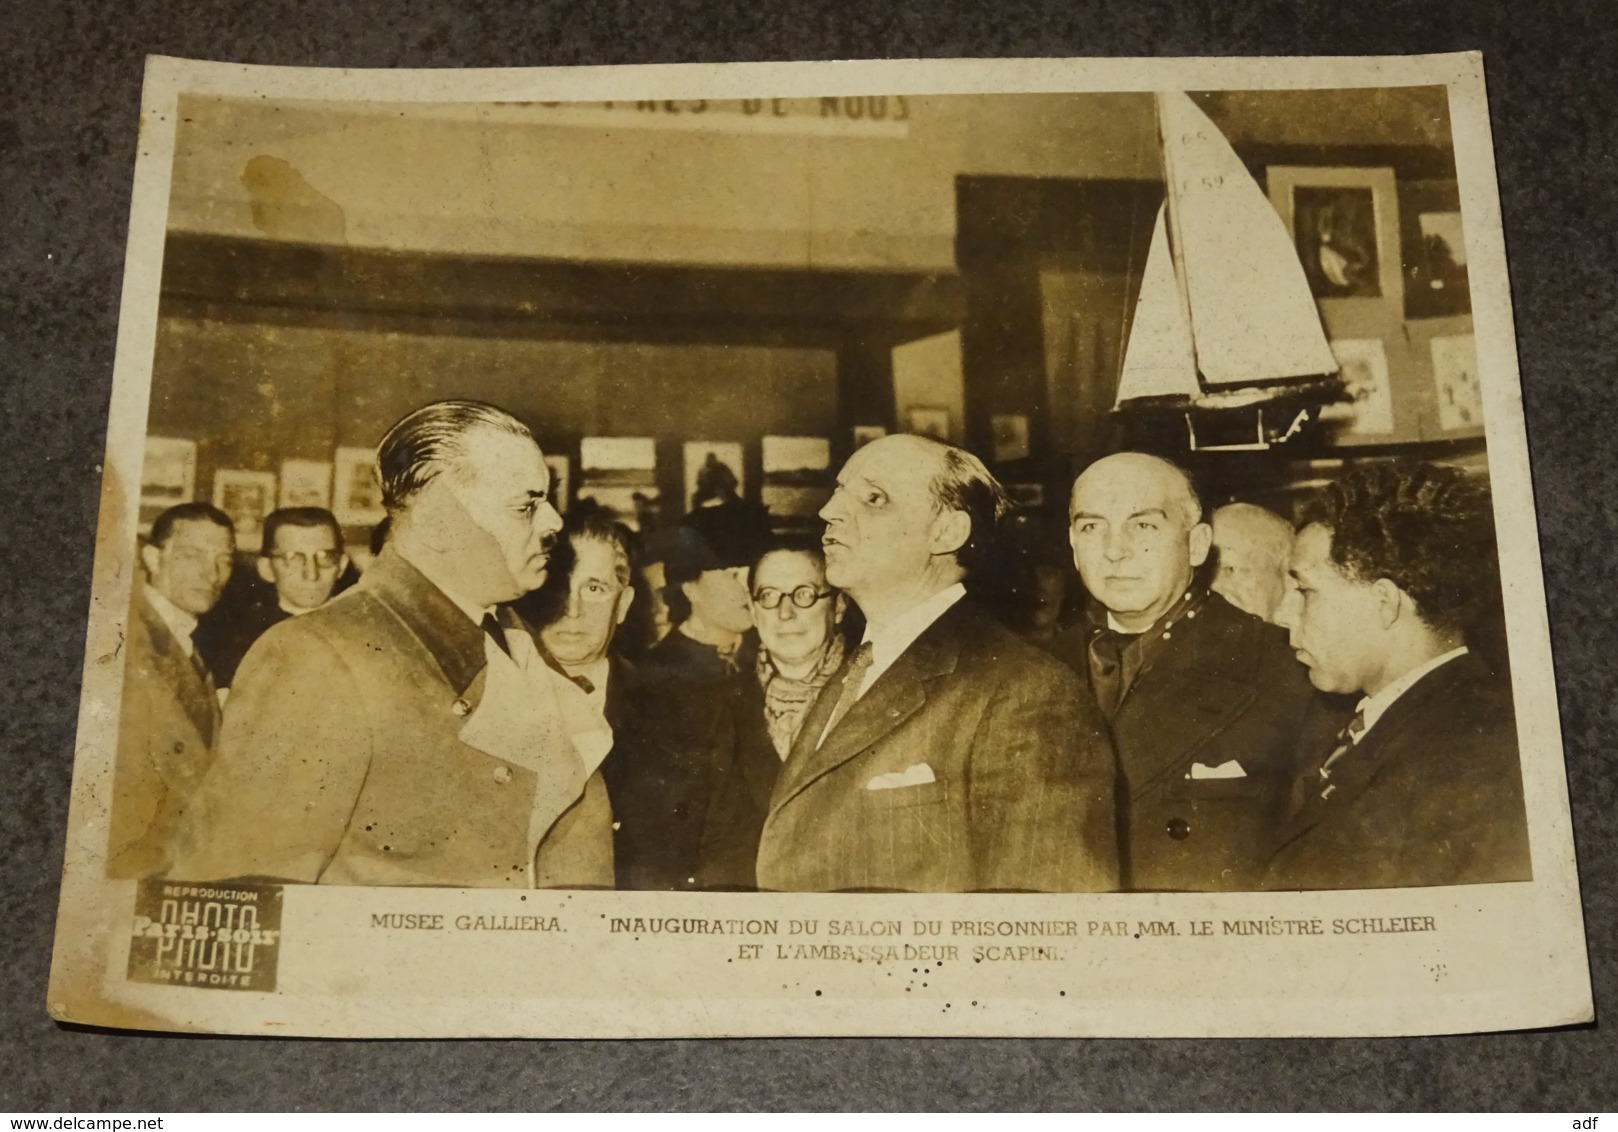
460, 707
1178, 828
502, 774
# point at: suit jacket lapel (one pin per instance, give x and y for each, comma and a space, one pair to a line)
895, 696
186, 675
1354, 774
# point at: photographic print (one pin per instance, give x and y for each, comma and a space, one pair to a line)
1202, 710
356, 492
305, 483
246, 497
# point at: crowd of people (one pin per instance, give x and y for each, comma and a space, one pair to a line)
507, 699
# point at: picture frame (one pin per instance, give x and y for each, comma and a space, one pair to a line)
247, 497
1344, 222
356, 490
168, 472
929, 420
1008, 434
1369, 410
698, 453
305, 483
1455, 382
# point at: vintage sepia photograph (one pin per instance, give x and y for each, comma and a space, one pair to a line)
767, 557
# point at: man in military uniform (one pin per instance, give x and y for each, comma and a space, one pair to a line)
1204, 701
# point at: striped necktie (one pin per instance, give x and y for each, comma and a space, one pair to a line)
1346, 739
853, 677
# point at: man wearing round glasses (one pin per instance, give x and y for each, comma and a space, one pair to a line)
303, 559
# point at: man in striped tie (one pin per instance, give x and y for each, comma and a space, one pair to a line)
1391, 573
948, 755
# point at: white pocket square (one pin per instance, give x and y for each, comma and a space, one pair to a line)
1229, 769
919, 775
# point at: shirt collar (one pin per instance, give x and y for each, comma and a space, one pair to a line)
899, 634
179, 622
1372, 708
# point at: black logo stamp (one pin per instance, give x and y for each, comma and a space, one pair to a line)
225, 936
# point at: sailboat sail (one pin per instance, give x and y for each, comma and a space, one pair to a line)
1160, 359
1237, 310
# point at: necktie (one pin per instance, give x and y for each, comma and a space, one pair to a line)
1346, 738
853, 677
1107, 669
495, 633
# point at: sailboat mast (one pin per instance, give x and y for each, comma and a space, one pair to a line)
1171, 222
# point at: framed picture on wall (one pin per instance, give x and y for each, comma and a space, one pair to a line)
1009, 432
169, 472
356, 491
864, 434
711, 465
1345, 225
246, 497
305, 483
929, 421
1433, 241
1455, 376
1369, 410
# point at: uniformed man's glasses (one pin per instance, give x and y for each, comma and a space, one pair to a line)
298, 560
804, 597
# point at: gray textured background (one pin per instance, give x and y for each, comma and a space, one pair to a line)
69, 94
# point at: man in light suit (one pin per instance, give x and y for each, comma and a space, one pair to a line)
409, 732
169, 715
1423, 785
948, 756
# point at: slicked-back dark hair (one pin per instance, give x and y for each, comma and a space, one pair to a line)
298, 517
1427, 529
163, 525
432, 440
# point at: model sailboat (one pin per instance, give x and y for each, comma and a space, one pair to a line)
1225, 321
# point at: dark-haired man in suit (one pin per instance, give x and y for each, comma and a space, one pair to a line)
169, 715
948, 755
1423, 785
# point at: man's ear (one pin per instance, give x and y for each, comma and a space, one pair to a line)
268, 575
839, 606
1200, 540
1390, 601
950, 532
151, 557
625, 600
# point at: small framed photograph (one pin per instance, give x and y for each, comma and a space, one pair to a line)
305, 483
1009, 432
356, 489
1345, 224
929, 421
169, 473
712, 465
865, 433
1455, 378
246, 497
1364, 366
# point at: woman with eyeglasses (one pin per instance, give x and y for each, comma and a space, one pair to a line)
802, 628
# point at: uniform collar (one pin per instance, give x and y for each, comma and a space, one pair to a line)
448, 631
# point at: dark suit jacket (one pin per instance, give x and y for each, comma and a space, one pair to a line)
1432, 794
341, 760
167, 723
1022, 796
745, 767
1223, 687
